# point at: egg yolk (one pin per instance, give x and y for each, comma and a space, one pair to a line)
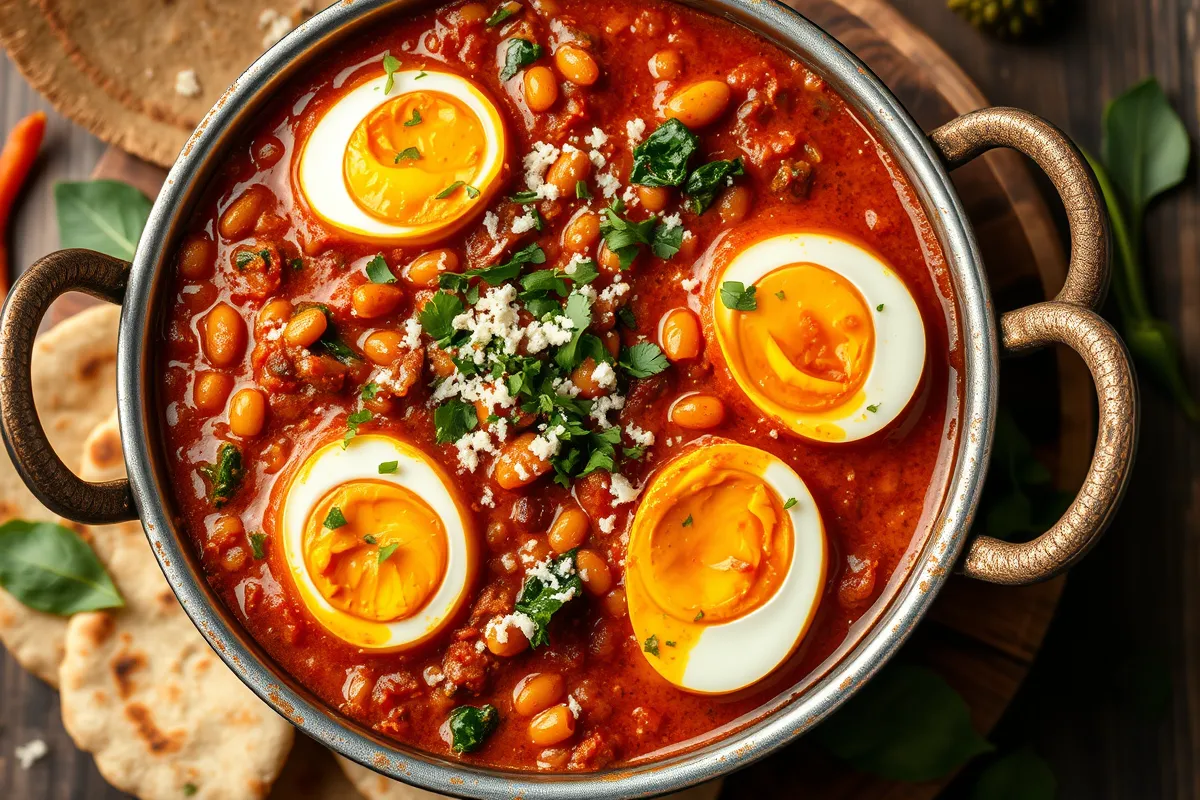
404, 157
387, 560
809, 344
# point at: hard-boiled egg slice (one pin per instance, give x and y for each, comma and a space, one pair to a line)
725, 566
382, 557
835, 347
407, 165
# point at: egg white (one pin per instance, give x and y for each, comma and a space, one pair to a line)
333, 466
732, 655
320, 169
899, 356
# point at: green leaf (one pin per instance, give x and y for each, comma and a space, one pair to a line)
651, 645
369, 391
1145, 146
386, 551
378, 271
623, 236
791, 501
906, 724
738, 297
407, 154
707, 181
437, 317
502, 12
352, 422
225, 475
540, 600
520, 53
49, 568
102, 215
1022, 775
1155, 347
391, 65
667, 240
449, 190
258, 545
579, 311
453, 420
545, 280
469, 726
494, 276
643, 360
585, 272
415, 119
581, 191
334, 519
662, 159
388, 467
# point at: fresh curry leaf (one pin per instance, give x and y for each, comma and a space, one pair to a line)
906, 724
379, 272
258, 545
546, 591
662, 159
520, 53
708, 180
469, 726
738, 297
1022, 775
102, 215
453, 420
49, 568
391, 65
437, 317
224, 475
643, 360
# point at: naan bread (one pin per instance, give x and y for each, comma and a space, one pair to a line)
374, 786
144, 693
74, 388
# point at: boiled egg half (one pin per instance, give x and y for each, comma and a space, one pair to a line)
407, 159
378, 542
725, 566
834, 347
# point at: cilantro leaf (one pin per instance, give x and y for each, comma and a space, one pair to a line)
415, 120
334, 519
579, 311
662, 159
539, 600
582, 192
370, 391
453, 420
437, 317
520, 53
738, 297
379, 272
791, 501
391, 65
449, 190
667, 240
352, 422
532, 254
224, 475
545, 280
388, 467
386, 551
643, 360
651, 645
585, 272
622, 235
708, 180
258, 545
407, 154
502, 12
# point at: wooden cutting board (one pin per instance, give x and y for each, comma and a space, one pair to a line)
982, 639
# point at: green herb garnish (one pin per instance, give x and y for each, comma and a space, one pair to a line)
370, 539
453, 420
879, 307
352, 422
707, 180
651, 645
738, 297
437, 317
520, 53
386, 551
662, 159
540, 600
874, 407
791, 501
388, 467
391, 65
407, 154
225, 475
643, 360
378, 271
334, 519
415, 119
469, 726
258, 545
687, 523
102, 215
370, 391
581, 191
49, 568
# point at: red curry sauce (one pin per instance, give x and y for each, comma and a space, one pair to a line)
873, 494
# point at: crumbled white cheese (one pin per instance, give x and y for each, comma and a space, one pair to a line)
186, 83
547, 191
496, 315
30, 752
480, 646
470, 446
537, 161
486, 499
608, 183
498, 627
672, 221
602, 405
491, 224
614, 290
597, 158
597, 138
509, 561
522, 473
573, 264
564, 387
630, 197
547, 446
432, 675
622, 490
608, 524
639, 436
526, 222
635, 129
604, 375
573, 704
773, 434
412, 333
689, 283
274, 26
555, 331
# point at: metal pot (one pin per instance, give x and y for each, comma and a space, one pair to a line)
946, 545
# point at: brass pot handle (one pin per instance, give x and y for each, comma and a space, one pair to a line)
59, 489
1069, 320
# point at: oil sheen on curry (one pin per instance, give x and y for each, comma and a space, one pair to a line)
549, 385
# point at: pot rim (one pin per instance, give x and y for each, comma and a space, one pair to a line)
779, 721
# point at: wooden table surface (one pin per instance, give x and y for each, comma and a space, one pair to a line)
1096, 704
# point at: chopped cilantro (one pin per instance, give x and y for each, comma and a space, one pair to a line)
388, 467
378, 271
667, 240
334, 519
502, 12
526, 197
669, 643
437, 317
370, 391
738, 297
297, 264
579, 311
635, 452
370, 539
449, 190
352, 422
643, 360
585, 272
879, 307
225, 475
780, 294
386, 551
415, 120
407, 154
453, 420
651, 645
258, 543
391, 65
687, 523
707, 180
662, 159
699, 616
520, 53
469, 726
494, 276
581, 191
243, 259
874, 407
623, 236
540, 600
421, 74
626, 317
791, 501
472, 192
545, 280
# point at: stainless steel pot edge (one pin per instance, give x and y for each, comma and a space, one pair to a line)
911, 148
